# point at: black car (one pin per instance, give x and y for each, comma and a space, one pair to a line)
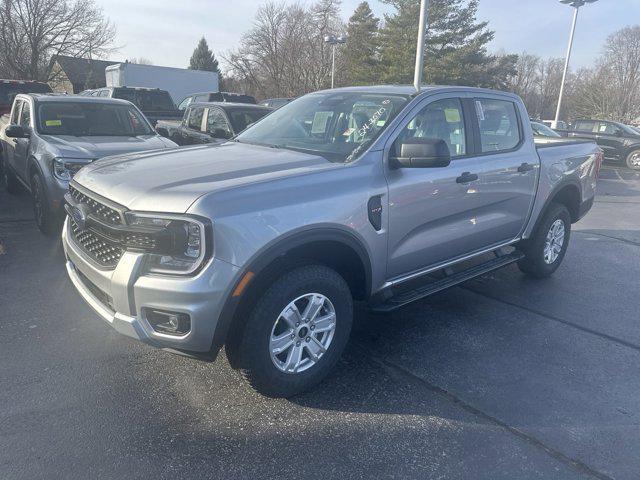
619, 141
208, 122
156, 104
216, 97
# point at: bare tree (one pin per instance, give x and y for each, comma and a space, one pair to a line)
284, 54
622, 57
32, 32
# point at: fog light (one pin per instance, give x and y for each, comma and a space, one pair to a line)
169, 323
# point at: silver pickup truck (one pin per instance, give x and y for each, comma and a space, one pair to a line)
262, 243
47, 138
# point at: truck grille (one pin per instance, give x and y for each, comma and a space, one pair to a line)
104, 253
108, 214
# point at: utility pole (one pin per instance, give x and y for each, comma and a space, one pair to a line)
576, 4
334, 41
422, 27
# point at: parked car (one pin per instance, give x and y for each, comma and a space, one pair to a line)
156, 104
620, 142
542, 130
48, 138
10, 88
275, 102
204, 97
211, 122
379, 194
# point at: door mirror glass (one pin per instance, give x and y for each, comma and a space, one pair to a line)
619, 133
16, 131
422, 153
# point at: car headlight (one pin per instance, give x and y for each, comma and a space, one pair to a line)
184, 246
66, 168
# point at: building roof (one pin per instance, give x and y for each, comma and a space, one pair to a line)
78, 69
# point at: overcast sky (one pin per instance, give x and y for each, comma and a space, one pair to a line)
166, 31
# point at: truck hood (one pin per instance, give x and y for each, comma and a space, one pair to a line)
68, 146
170, 181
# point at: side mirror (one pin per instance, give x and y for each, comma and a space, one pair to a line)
422, 153
619, 133
16, 131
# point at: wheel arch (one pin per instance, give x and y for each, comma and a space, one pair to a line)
568, 194
335, 247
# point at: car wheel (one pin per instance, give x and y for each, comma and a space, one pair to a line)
545, 250
14, 186
296, 331
44, 218
633, 160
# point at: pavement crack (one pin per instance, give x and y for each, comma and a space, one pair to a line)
548, 316
398, 371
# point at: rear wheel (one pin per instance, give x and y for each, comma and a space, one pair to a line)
633, 160
296, 331
545, 250
44, 217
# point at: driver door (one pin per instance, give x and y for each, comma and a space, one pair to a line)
21, 145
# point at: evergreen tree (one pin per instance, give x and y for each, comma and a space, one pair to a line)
360, 55
455, 46
203, 58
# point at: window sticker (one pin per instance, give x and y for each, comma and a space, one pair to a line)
53, 123
480, 110
320, 120
381, 123
348, 131
452, 115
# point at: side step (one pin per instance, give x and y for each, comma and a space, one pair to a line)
450, 280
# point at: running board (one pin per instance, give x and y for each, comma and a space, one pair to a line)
449, 280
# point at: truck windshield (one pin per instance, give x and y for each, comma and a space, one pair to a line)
146, 100
336, 125
90, 119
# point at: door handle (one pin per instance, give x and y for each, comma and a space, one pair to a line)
525, 167
467, 177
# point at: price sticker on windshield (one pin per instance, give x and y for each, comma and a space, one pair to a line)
480, 110
53, 123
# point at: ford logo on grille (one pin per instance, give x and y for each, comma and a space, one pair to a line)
79, 213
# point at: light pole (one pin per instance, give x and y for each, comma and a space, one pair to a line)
576, 4
333, 41
422, 27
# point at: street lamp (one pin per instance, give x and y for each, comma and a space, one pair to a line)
333, 41
576, 4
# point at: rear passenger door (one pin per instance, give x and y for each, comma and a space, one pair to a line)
481, 200
609, 137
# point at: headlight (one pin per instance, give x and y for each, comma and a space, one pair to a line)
66, 168
184, 247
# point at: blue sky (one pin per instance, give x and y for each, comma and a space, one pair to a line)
166, 31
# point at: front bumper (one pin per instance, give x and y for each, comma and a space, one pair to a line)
120, 296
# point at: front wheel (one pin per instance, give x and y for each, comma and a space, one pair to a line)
296, 331
633, 160
545, 250
45, 219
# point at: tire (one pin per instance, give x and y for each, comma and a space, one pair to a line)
296, 287
45, 219
539, 260
633, 160
14, 187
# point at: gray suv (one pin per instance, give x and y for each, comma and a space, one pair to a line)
263, 243
47, 138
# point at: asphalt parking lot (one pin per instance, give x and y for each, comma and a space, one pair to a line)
501, 378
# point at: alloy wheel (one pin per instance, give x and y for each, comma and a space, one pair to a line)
554, 242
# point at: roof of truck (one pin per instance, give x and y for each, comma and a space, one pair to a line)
231, 105
410, 89
62, 97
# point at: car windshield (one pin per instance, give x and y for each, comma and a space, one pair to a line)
541, 129
90, 119
240, 118
146, 100
336, 125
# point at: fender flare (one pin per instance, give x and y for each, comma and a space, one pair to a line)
277, 248
552, 196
